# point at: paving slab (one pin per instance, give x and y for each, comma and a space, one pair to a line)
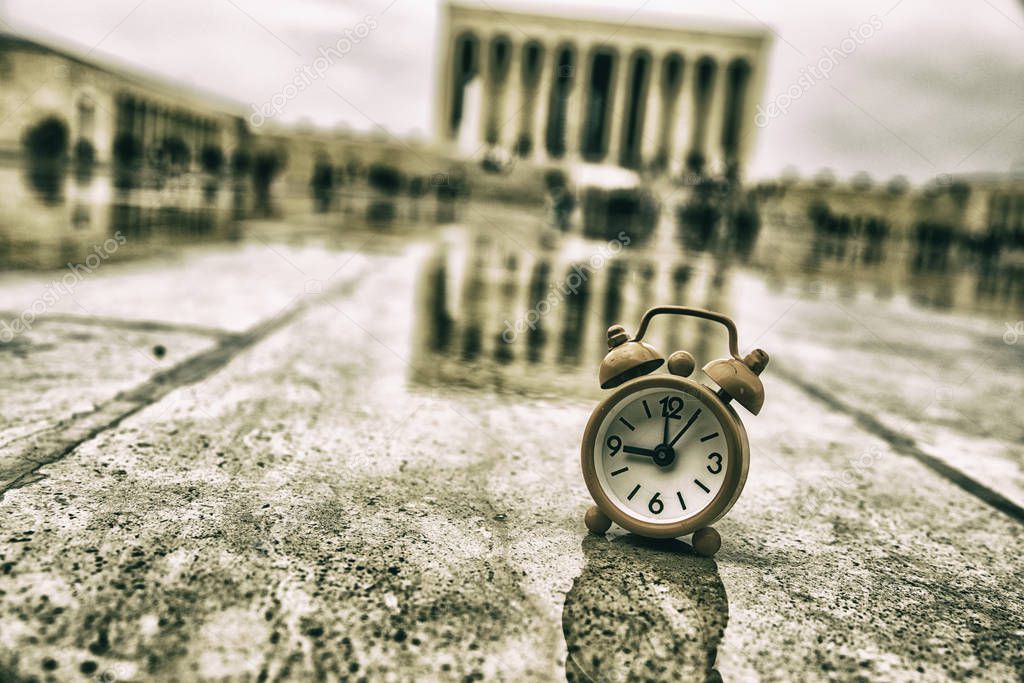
67, 365
317, 506
949, 381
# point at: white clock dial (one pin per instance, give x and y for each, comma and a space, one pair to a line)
661, 455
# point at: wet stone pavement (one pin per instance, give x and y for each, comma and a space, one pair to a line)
337, 466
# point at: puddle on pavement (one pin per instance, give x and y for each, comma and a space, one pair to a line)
643, 609
48, 221
529, 316
50, 218
503, 302
493, 315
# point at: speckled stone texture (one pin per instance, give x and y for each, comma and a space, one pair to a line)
317, 507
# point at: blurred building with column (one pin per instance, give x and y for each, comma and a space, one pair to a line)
99, 103
89, 147
666, 98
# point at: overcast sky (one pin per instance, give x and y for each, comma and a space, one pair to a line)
937, 88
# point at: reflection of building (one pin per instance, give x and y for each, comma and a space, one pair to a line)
97, 103
663, 97
491, 313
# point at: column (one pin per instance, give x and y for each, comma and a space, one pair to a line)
453, 82
701, 96
483, 75
716, 119
636, 109
739, 70
128, 123
138, 125
165, 124
151, 127
445, 84
142, 114
494, 93
513, 97
748, 126
527, 93
574, 107
542, 99
682, 124
192, 130
654, 112
157, 127
620, 88
669, 132
217, 137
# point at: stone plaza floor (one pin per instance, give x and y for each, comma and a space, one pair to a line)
296, 458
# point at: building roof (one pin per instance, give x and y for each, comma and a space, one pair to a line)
186, 94
619, 17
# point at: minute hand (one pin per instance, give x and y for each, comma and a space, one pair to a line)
686, 426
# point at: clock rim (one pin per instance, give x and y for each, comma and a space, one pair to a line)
736, 473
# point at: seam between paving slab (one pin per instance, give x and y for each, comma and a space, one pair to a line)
905, 445
53, 444
121, 323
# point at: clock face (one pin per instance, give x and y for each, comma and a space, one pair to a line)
661, 455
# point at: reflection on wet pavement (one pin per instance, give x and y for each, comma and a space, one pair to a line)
878, 336
534, 318
46, 223
492, 313
506, 304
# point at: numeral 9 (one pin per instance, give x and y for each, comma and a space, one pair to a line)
614, 443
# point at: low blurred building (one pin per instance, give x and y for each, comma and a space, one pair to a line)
957, 229
667, 98
90, 149
106, 105
979, 211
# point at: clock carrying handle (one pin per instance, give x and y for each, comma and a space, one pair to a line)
696, 313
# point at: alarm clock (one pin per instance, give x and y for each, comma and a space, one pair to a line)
663, 455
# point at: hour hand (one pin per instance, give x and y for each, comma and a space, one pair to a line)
638, 451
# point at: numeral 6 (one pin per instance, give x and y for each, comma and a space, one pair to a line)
656, 505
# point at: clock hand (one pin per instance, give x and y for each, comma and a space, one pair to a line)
682, 431
638, 451
664, 437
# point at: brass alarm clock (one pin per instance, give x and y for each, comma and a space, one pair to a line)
665, 456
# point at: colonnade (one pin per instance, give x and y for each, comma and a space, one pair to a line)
662, 109
151, 122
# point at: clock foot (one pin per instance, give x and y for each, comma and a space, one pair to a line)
706, 541
597, 521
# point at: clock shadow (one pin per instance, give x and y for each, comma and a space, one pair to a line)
643, 609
